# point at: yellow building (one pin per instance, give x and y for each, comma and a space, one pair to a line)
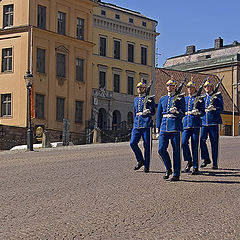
53, 39
124, 52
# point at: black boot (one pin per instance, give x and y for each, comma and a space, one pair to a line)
188, 166
205, 163
139, 165
167, 174
195, 171
175, 179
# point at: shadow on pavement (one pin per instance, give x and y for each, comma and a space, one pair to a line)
210, 181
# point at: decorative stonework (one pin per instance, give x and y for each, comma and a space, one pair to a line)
123, 28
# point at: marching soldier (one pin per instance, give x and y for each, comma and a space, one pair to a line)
144, 109
169, 125
210, 122
194, 110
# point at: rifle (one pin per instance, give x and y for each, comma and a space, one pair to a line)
215, 92
199, 97
147, 97
178, 95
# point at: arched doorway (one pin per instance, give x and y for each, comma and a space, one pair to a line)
130, 120
102, 118
116, 120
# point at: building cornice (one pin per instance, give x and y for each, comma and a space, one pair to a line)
221, 62
124, 28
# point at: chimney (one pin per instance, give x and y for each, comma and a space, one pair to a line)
190, 49
218, 43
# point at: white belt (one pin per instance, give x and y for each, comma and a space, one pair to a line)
188, 113
168, 115
139, 114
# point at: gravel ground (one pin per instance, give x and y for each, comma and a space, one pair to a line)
92, 192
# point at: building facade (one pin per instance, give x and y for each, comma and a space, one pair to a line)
124, 52
54, 40
219, 60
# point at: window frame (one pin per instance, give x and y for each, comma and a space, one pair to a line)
80, 28
61, 70
41, 60
40, 106
6, 105
42, 17
61, 22
60, 111
144, 61
102, 52
115, 55
8, 15
8, 59
78, 119
81, 69
132, 87
119, 82
133, 52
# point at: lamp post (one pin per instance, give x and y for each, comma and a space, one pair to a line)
233, 113
29, 81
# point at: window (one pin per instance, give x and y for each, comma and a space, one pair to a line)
6, 105
41, 21
8, 15
102, 79
130, 52
131, 20
116, 82
103, 12
80, 28
117, 16
117, 49
61, 65
144, 24
79, 69
39, 106
144, 55
130, 85
60, 109
103, 46
40, 60
6, 59
78, 112
62, 23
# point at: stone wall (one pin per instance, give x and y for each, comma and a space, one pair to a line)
11, 136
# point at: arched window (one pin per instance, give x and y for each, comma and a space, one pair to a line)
116, 120
130, 120
102, 119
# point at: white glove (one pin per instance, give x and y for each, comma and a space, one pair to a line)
173, 110
210, 108
146, 111
195, 112
157, 133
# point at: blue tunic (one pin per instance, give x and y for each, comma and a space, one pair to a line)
213, 117
143, 121
190, 120
166, 121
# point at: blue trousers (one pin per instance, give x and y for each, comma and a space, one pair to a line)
213, 132
194, 134
145, 133
164, 138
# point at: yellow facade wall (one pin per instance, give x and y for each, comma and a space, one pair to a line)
18, 37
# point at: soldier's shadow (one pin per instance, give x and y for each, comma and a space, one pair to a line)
222, 173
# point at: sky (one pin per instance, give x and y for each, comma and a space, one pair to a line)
188, 22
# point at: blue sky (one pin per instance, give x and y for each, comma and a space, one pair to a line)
189, 22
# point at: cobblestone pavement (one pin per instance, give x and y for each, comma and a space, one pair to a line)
92, 192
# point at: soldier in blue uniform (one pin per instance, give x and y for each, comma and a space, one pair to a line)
194, 110
210, 122
169, 125
143, 109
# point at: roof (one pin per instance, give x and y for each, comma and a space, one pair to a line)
234, 44
125, 10
163, 75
